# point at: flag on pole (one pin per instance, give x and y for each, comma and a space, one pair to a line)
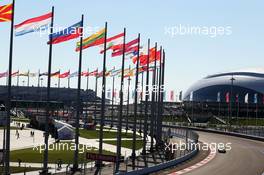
74, 74
6, 13
246, 98
172, 95
69, 33
55, 74
24, 74
131, 46
33, 25
65, 75
43, 74
227, 97
4, 74
115, 72
218, 97
255, 98
14, 74
93, 40
93, 73
112, 41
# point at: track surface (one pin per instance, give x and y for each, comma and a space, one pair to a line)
245, 158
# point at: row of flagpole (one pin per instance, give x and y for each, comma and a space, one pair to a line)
55, 38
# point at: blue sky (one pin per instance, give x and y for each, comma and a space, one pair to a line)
189, 57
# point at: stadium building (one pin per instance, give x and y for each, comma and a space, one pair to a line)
242, 85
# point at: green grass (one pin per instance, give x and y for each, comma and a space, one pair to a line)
12, 128
16, 119
94, 134
66, 155
19, 169
126, 143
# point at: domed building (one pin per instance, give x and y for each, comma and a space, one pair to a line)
246, 85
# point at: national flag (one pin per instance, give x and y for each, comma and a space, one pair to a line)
14, 74
112, 41
6, 13
24, 74
218, 97
116, 72
69, 33
4, 74
246, 98
255, 98
43, 74
171, 95
93, 40
126, 71
100, 74
128, 74
55, 74
131, 46
74, 74
143, 59
85, 74
64, 75
93, 73
33, 25
227, 97
32, 74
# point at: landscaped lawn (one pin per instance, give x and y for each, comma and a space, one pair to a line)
94, 134
126, 143
63, 151
19, 169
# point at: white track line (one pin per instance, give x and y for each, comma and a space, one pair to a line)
210, 157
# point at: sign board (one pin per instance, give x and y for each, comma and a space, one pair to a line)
106, 158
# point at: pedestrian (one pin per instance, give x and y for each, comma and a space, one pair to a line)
18, 135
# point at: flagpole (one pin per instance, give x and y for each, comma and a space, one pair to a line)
79, 105
18, 79
120, 115
159, 116
112, 112
141, 104
45, 160
153, 103
87, 80
99, 163
128, 96
28, 78
7, 151
38, 77
146, 106
133, 155
69, 78
59, 80
95, 103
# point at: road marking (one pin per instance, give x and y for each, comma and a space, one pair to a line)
210, 157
